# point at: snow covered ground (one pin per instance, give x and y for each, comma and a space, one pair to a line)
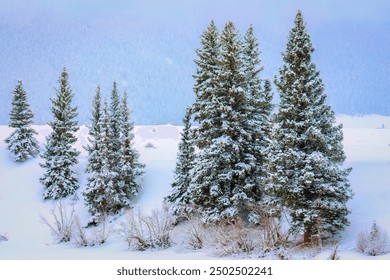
367, 146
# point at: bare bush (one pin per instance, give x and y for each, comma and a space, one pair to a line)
271, 232
195, 233
334, 254
234, 238
374, 243
61, 221
92, 236
100, 233
80, 236
142, 231
65, 226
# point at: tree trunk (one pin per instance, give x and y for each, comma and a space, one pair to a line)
307, 236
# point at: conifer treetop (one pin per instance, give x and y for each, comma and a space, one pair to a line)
21, 114
22, 142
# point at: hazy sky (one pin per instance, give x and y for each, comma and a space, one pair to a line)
318, 11
138, 41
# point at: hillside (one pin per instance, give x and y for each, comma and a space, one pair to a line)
367, 146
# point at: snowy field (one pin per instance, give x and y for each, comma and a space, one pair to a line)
367, 146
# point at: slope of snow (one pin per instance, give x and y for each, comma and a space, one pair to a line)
367, 146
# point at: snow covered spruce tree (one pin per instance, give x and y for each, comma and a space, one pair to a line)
306, 173
130, 167
115, 123
59, 179
258, 122
22, 142
205, 89
95, 185
98, 193
220, 186
180, 196
114, 174
94, 132
206, 83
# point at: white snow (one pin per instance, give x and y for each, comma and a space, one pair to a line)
367, 146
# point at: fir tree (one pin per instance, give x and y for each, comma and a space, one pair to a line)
130, 167
306, 174
223, 163
59, 179
95, 184
115, 123
180, 196
99, 194
112, 184
206, 83
94, 132
116, 120
258, 122
22, 142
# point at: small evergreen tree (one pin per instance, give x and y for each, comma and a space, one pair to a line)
306, 173
22, 142
59, 179
180, 196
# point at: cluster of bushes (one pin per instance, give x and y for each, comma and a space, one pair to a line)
157, 230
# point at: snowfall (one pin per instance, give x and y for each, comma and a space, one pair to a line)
366, 144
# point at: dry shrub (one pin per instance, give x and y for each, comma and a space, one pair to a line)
80, 234
142, 231
195, 233
374, 243
271, 232
65, 226
61, 221
91, 236
334, 254
234, 238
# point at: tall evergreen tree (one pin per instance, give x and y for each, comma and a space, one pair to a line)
306, 173
258, 122
59, 179
112, 184
130, 167
116, 120
223, 162
22, 142
99, 192
115, 123
206, 83
180, 196
95, 184
94, 133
